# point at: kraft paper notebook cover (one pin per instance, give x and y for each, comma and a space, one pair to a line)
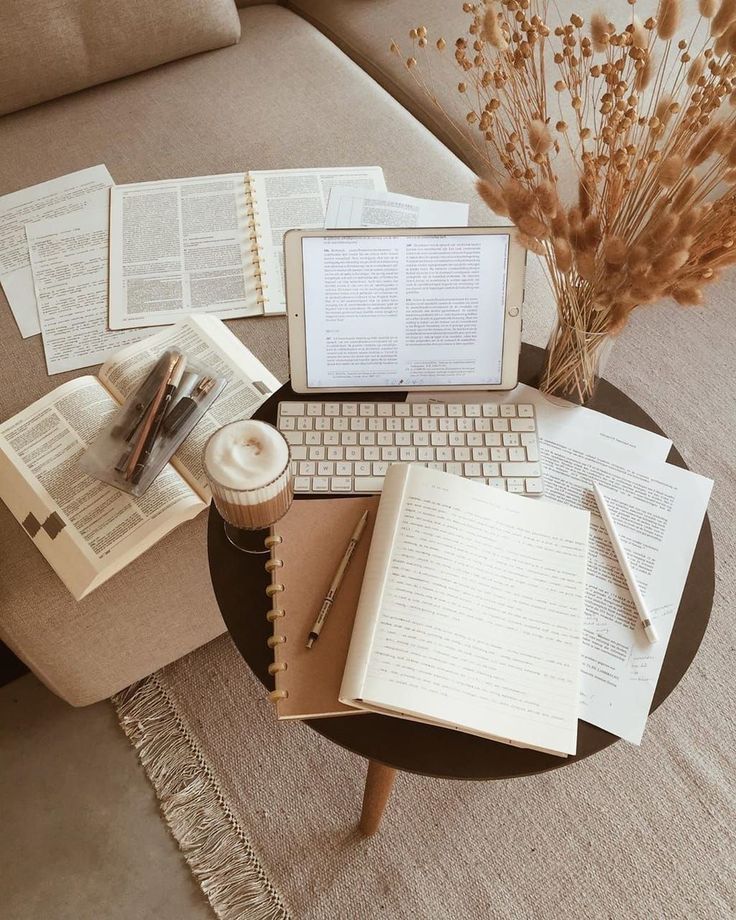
313, 537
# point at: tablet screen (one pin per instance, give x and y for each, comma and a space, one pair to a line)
404, 310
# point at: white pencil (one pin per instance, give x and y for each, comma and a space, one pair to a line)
649, 630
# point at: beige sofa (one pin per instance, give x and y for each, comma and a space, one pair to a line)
283, 96
309, 83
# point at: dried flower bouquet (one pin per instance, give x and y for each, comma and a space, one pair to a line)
646, 120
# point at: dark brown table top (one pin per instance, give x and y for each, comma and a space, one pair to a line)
240, 581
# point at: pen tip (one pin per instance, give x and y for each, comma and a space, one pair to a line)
310, 643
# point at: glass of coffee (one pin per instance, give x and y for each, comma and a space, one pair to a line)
249, 471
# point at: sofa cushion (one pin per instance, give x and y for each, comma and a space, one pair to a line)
50, 50
211, 113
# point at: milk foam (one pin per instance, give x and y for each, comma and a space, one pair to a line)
246, 455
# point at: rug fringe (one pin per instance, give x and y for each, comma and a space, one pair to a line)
214, 844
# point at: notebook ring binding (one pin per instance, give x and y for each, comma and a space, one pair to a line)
274, 589
276, 613
276, 695
273, 540
277, 666
272, 564
275, 639
252, 242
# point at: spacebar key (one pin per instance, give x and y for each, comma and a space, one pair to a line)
368, 484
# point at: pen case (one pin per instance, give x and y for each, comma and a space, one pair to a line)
141, 437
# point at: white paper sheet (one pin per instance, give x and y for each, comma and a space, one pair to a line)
74, 192
69, 259
351, 207
658, 510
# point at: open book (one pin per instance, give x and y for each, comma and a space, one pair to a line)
88, 530
213, 244
471, 611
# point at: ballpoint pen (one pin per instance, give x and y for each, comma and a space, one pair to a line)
336, 581
150, 416
187, 404
639, 603
150, 440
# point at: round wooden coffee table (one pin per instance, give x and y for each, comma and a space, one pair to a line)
392, 744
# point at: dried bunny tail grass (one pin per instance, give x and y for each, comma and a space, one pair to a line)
684, 192
614, 251
540, 140
668, 18
528, 242
547, 198
705, 145
644, 74
599, 31
724, 17
586, 189
563, 254
519, 200
559, 224
592, 234
532, 226
668, 263
670, 170
639, 35
707, 8
619, 317
695, 70
585, 264
493, 197
492, 31
687, 296
663, 111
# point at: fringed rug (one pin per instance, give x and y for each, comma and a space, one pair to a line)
265, 813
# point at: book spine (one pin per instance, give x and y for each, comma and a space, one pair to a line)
277, 640
253, 240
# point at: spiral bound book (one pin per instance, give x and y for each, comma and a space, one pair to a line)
306, 548
213, 244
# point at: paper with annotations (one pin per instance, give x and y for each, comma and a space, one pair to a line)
658, 510
87, 188
352, 207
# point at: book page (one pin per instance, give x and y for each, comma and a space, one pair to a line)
69, 258
351, 207
287, 199
87, 188
180, 246
206, 341
86, 529
476, 620
404, 310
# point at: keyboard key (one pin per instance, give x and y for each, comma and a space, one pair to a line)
527, 439
472, 410
465, 424
331, 438
314, 408
353, 453
368, 483
402, 409
358, 423
317, 453
508, 410
302, 483
456, 468
528, 470
425, 454
312, 437
517, 454
490, 410
384, 437
419, 409
429, 424
390, 453
437, 409
340, 424
366, 409
335, 453
348, 438
291, 408
510, 439
448, 424
534, 486
410, 424
500, 424
420, 438
362, 469
492, 439
299, 452
407, 454
524, 411
474, 439
305, 423
481, 455
385, 408
522, 424
332, 409
438, 438
376, 424
344, 469
471, 469
455, 410
515, 485
372, 453
287, 423
341, 484
436, 466
307, 468
482, 424
462, 454
367, 437
322, 423
532, 453
294, 437
491, 470
380, 468
499, 454
444, 454
320, 484
325, 468
497, 484
402, 439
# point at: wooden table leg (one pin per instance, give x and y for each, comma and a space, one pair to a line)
378, 785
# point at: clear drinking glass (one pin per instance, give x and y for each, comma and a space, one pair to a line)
249, 511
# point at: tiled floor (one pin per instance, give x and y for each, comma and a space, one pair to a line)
80, 833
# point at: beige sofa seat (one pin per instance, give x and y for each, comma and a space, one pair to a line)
284, 97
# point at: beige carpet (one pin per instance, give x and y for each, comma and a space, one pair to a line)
266, 812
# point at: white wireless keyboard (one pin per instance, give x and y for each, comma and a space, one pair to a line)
343, 447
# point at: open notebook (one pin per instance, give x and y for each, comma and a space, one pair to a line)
469, 616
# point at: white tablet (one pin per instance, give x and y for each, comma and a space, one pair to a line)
419, 309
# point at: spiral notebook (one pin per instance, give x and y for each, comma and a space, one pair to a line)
306, 548
213, 244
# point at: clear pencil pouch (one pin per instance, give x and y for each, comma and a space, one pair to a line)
147, 430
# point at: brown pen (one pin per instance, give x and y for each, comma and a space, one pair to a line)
150, 415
